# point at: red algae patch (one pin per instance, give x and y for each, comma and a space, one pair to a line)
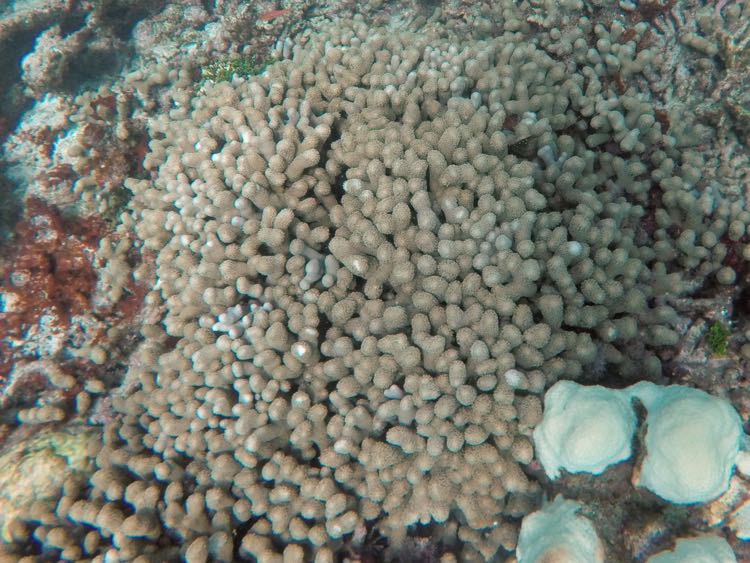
68, 303
47, 277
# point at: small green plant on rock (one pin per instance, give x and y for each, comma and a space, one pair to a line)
222, 70
718, 338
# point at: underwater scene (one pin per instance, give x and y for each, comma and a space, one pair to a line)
432, 281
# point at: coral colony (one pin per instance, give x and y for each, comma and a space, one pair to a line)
457, 286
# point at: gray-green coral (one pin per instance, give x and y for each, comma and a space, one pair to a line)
372, 260
34, 473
